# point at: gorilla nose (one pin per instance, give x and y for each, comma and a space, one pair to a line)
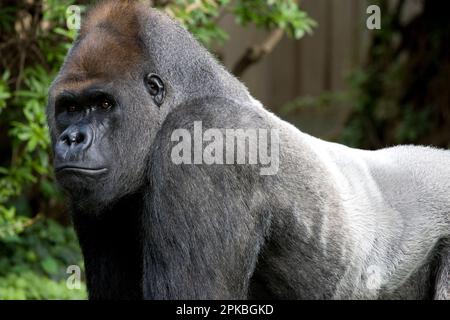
74, 137
73, 140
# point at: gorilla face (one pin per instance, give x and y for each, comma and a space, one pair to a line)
85, 120
101, 136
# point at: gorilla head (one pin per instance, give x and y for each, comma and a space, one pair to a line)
121, 78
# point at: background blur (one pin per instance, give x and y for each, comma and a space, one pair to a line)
315, 63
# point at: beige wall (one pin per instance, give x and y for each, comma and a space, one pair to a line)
316, 63
309, 66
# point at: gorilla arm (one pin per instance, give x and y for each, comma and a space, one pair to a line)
204, 225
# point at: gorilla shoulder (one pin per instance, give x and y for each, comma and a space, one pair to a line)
217, 112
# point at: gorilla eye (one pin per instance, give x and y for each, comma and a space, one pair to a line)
71, 108
155, 87
105, 104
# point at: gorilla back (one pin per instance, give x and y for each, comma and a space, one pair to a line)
331, 223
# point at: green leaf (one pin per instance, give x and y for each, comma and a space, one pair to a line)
49, 265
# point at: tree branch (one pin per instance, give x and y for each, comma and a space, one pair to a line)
257, 52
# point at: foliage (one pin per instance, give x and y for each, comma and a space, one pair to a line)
33, 42
199, 16
33, 265
4, 90
401, 96
24, 113
322, 101
283, 14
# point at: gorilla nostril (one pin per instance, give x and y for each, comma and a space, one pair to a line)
65, 139
76, 137
79, 137
73, 138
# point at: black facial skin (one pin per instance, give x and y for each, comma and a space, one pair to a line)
84, 120
97, 131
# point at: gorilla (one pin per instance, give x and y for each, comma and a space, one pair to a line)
332, 223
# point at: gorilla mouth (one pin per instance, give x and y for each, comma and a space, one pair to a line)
73, 169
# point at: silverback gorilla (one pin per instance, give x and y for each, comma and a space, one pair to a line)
332, 223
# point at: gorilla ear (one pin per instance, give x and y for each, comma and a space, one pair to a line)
155, 87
